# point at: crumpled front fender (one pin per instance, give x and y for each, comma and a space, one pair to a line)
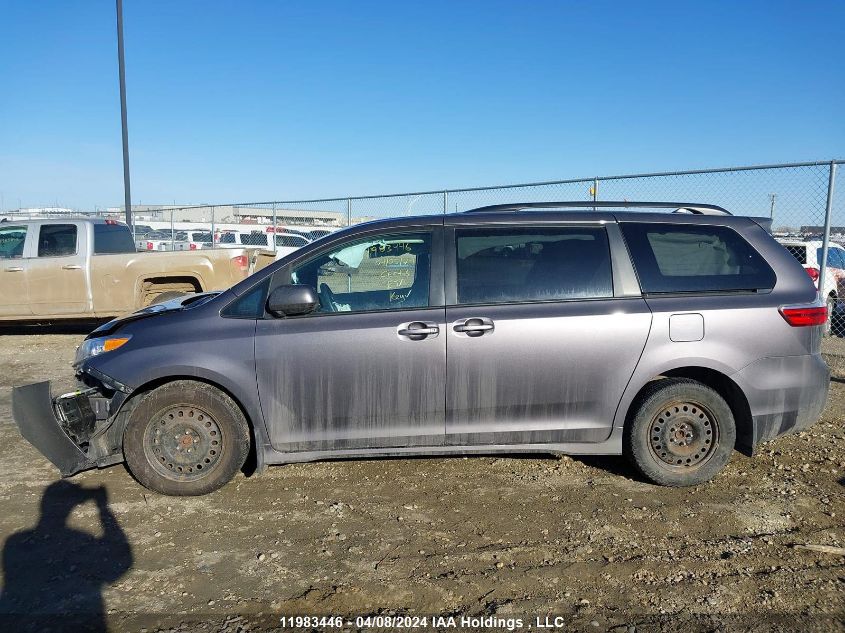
35, 415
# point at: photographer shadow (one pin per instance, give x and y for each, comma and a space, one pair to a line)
53, 575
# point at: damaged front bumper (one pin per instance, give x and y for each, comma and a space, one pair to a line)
72, 430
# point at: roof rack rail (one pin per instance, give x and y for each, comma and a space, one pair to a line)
694, 208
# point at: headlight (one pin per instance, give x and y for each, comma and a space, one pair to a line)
97, 346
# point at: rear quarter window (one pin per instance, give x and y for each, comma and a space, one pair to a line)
113, 238
695, 258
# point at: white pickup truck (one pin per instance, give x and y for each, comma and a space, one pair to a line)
78, 268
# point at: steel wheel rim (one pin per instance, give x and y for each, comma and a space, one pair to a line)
683, 435
183, 442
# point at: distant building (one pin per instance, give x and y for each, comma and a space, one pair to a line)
839, 230
234, 214
41, 212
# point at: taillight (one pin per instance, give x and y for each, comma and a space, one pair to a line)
814, 275
241, 262
149, 246
802, 316
192, 246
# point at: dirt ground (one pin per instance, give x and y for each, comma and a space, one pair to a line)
507, 537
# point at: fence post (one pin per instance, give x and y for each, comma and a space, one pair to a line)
349, 212
273, 236
828, 212
172, 231
213, 243
445, 202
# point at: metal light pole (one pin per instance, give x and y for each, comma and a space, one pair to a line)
127, 196
773, 197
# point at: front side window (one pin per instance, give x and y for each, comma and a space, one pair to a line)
388, 272
12, 239
57, 240
695, 258
532, 264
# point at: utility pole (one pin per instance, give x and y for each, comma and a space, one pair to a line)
127, 196
773, 197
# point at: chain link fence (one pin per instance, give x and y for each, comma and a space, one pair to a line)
794, 196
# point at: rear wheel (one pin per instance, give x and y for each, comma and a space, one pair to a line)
185, 438
682, 433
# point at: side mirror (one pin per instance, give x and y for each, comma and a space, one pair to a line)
293, 300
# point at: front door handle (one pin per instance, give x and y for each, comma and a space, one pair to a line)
14, 269
474, 326
417, 330
71, 267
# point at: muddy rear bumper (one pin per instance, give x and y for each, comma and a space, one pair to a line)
60, 428
785, 394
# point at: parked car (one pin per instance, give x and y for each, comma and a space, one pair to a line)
140, 230
80, 268
809, 255
193, 240
286, 243
316, 234
673, 339
158, 240
234, 239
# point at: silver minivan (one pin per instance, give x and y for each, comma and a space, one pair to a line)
671, 333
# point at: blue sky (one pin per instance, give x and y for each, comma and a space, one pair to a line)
237, 101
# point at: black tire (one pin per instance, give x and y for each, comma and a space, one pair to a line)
680, 433
185, 438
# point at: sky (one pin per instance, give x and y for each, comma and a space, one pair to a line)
286, 100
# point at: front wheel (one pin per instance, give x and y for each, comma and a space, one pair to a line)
185, 438
682, 433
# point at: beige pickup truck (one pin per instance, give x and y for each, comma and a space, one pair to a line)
78, 268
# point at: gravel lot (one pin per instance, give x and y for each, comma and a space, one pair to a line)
503, 536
